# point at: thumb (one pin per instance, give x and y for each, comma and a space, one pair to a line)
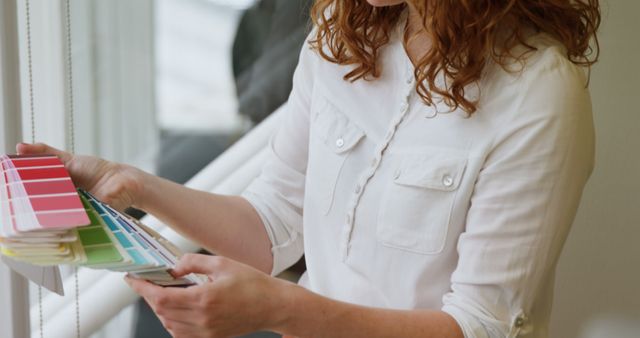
41, 148
202, 264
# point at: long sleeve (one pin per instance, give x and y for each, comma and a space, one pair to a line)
523, 204
277, 193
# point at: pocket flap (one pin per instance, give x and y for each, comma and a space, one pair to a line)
335, 130
344, 141
435, 171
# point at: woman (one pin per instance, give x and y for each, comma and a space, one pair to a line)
429, 165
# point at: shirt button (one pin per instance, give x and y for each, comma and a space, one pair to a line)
358, 189
410, 80
340, 142
396, 174
447, 180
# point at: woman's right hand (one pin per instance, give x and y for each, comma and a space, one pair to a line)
116, 184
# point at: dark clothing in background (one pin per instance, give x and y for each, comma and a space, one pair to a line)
265, 54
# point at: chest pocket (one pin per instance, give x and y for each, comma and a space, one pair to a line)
418, 202
333, 137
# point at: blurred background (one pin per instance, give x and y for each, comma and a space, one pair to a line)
167, 85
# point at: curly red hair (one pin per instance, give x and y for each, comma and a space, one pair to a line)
465, 34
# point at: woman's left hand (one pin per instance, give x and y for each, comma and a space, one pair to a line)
238, 299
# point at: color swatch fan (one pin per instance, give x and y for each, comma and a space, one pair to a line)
118, 242
45, 221
40, 211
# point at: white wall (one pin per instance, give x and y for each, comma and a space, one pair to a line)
598, 279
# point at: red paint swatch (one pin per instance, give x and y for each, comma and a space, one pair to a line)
52, 198
49, 203
42, 173
36, 162
48, 187
28, 156
63, 219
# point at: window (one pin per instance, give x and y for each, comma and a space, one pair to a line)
148, 78
14, 293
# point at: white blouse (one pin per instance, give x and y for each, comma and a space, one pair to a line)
400, 205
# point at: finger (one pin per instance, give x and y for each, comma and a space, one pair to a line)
184, 316
176, 328
203, 264
41, 148
182, 330
160, 297
149, 290
184, 323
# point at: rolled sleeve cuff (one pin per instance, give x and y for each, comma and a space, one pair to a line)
471, 327
474, 320
478, 322
286, 244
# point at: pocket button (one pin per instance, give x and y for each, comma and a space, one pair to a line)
340, 142
447, 180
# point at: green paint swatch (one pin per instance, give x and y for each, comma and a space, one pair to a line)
102, 255
98, 245
93, 236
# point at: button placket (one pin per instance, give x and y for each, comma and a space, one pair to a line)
404, 107
388, 137
375, 164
